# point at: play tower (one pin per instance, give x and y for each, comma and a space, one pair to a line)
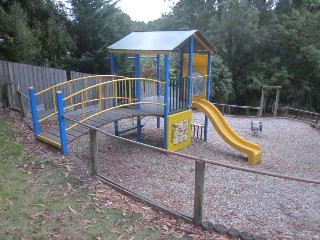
178, 94
192, 80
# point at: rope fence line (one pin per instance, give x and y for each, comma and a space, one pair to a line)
229, 166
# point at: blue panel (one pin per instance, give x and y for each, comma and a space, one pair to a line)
34, 113
62, 128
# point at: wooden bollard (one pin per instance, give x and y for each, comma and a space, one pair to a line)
198, 192
94, 152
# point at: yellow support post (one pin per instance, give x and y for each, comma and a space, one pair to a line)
100, 95
70, 92
54, 100
116, 93
82, 105
85, 87
130, 95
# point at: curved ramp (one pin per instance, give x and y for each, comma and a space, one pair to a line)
229, 136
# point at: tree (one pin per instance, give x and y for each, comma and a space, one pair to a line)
235, 34
35, 32
18, 42
96, 24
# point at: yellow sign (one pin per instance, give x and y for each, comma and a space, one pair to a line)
179, 130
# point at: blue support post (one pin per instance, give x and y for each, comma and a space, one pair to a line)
62, 127
208, 90
113, 63
34, 113
158, 85
113, 72
166, 99
139, 135
137, 75
189, 97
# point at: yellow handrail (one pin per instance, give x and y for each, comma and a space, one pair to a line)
111, 82
77, 79
127, 95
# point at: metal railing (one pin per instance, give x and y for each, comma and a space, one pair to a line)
104, 96
72, 86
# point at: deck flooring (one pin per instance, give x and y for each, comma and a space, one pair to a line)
53, 133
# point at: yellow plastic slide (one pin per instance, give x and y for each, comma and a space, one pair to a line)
234, 140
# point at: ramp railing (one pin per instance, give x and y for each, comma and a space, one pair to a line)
99, 93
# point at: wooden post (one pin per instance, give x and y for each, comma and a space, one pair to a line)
139, 136
22, 110
277, 103
247, 111
229, 109
261, 103
317, 119
9, 95
94, 151
198, 192
222, 110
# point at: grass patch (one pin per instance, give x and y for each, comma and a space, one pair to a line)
44, 204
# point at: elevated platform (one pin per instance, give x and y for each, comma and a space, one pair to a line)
51, 135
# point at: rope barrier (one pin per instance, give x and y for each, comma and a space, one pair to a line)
229, 166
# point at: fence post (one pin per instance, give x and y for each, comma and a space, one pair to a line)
317, 119
62, 128
198, 192
247, 111
8, 92
34, 113
94, 151
22, 109
139, 135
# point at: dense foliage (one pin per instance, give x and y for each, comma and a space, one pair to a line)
257, 42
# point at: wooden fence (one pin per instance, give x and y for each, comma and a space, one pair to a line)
247, 111
17, 76
301, 115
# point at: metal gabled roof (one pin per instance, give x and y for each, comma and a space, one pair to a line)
160, 42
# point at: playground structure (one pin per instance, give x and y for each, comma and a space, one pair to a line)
101, 99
